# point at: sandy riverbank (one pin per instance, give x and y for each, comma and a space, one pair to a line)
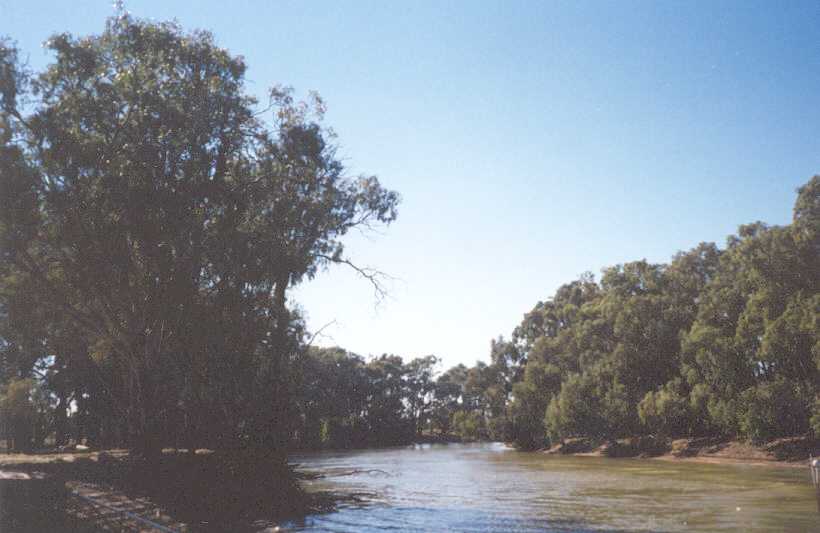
785, 452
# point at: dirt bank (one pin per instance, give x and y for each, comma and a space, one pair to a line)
791, 451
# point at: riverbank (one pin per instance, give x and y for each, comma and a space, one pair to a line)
437, 438
790, 451
203, 491
424, 438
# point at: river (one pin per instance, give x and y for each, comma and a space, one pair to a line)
489, 488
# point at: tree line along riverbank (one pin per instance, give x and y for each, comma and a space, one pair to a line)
719, 344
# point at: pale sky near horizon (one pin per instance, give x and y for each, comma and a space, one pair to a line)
530, 141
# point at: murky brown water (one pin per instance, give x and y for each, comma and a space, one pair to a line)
488, 487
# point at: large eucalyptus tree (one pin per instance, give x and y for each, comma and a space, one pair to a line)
145, 199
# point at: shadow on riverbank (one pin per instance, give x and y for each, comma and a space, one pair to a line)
212, 491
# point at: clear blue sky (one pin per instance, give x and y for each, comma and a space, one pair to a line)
531, 141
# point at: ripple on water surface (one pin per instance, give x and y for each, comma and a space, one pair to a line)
491, 488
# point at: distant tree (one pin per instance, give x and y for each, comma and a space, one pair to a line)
421, 388
23, 412
468, 424
331, 398
386, 415
447, 396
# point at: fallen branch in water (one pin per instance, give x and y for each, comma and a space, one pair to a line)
319, 475
362, 471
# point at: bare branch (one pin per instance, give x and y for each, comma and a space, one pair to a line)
318, 332
374, 276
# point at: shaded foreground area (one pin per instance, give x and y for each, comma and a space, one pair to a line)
203, 491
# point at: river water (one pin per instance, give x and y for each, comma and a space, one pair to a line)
489, 488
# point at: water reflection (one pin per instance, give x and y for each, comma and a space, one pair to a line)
487, 487
418, 519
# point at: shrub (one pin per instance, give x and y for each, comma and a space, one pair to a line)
19, 413
772, 409
467, 424
574, 411
815, 416
665, 411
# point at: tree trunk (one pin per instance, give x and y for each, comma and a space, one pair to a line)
22, 432
146, 439
275, 424
61, 422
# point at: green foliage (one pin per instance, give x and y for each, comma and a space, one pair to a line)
815, 416
16, 400
807, 215
469, 425
586, 406
447, 397
527, 427
773, 409
666, 411
421, 388
23, 413
716, 342
151, 226
345, 402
